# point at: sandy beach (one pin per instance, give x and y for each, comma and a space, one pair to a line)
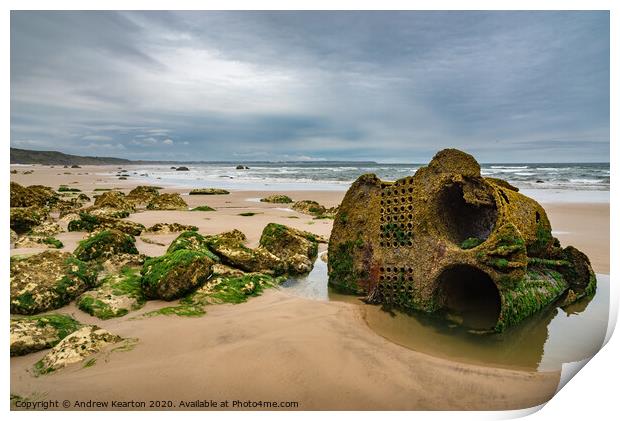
319, 354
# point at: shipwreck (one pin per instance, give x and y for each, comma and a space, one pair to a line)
447, 240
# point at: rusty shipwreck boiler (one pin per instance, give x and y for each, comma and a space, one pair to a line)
447, 239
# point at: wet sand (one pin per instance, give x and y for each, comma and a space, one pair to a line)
278, 346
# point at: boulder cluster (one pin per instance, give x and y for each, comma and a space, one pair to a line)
107, 277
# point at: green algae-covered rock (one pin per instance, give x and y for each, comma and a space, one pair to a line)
47, 281
25, 219
34, 333
298, 249
230, 249
89, 223
165, 228
167, 201
39, 196
46, 229
191, 240
277, 198
75, 348
310, 207
115, 200
142, 194
37, 241
447, 239
101, 245
209, 191
117, 295
175, 274
231, 289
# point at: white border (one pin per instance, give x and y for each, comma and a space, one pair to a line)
591, 395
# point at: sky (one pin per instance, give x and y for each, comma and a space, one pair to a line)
379, 86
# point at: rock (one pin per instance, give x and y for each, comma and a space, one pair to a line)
190, 240
142, 194
242, 167
46, 229
209, 191
419, 242
165, 228
230, 249
64, 188
75, 166
88, 222
34, 333
48, 280
182, 169
25, 219
277, 198
175, 274
120, 261
298, 249
115, 200
118, 294
14, 237
167, 201
310, 207
65, 207
233, 289
35, 241
39, 196
324, 257
75, 348
220, 270
101, 245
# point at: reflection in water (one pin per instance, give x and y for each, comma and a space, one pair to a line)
542, 342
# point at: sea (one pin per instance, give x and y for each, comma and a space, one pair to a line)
556, 182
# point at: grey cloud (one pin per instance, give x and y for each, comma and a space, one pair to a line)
388, 86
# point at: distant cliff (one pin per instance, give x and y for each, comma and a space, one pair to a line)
24, 156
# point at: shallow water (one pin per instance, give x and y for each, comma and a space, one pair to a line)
543, 342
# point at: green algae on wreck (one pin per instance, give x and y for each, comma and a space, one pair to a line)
445, 237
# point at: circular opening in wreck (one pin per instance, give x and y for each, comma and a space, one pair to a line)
469, 296
461, 220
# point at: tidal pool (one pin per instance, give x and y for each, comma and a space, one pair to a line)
542, 342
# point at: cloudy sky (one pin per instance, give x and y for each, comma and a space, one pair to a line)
383, 86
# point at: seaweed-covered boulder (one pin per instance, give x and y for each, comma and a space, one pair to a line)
89, 223
167, 201
75, 348
298, 249
143, 194
117, 295
230, 249
232, 288
190, 240
115, 200
101, 245
175, 274
277, 198
46, 229
447, 239
25, 219
165, 228
47, 281
38, 241
208, 191
40, 196
34, 333
72, 205
310, 207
